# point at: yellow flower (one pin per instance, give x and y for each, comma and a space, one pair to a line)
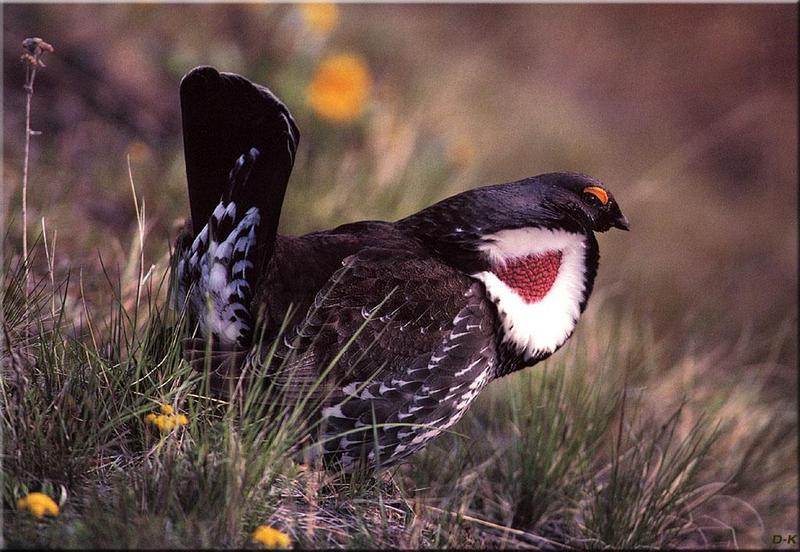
271, 538
338, 91
39, 504
320, 18
167, 420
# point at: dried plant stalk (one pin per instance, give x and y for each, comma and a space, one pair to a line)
33, 50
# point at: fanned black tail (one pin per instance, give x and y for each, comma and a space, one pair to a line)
239, 142
224, 117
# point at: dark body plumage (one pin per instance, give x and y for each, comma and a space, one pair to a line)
428, 309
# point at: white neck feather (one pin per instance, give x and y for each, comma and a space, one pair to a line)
542, 326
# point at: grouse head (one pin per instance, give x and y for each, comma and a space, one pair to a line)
532, 244
574, 200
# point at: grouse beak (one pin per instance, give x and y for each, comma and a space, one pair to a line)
621, 222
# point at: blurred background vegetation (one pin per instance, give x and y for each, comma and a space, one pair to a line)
687, 112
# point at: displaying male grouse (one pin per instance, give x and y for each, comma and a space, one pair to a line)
393, 327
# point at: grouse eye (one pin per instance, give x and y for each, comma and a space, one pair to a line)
596, 194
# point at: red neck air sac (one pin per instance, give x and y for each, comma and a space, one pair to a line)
531, 276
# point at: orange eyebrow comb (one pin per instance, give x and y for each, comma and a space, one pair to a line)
597, 192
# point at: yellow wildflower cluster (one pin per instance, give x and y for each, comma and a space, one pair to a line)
271, 538
339, 89
39, 504
320, 18
167, 420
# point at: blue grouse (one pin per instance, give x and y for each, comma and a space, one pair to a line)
393, 328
